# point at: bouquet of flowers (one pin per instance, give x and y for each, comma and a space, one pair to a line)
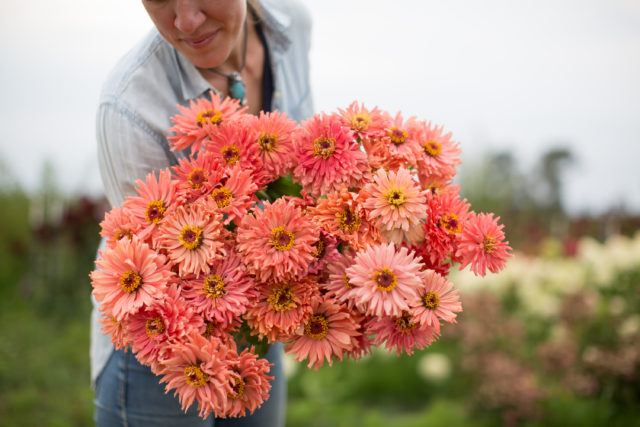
331, 236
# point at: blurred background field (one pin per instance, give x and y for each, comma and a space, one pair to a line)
552, 340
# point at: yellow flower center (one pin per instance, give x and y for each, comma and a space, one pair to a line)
360, 122
121, 234
320, 248
488, 244
431, 300
281, 239
268, 142
230, 154
155, 211
324, 147
154, 326
196, 178
209, 117
397, 135
194, 376
451, 223
432, 148
281, 298
190, 237
347, 284
395, 197
130, 281
348, 220
385, 279
213, 286
210, 329
317, 327
222, 196
404, 324
238, 389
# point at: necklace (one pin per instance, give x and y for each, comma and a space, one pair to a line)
237, 88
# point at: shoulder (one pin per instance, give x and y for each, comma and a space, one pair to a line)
289, 16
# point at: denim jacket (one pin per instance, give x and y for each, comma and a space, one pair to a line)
140, 96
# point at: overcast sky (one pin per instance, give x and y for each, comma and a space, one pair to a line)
499, 74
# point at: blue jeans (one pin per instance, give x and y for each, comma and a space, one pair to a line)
128, 394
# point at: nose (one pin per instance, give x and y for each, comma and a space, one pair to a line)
189, 16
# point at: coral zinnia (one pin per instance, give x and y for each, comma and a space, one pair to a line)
198, 369
365, 123
224, 294
234, 195
436, 300
201, 119
128, 276
396, 201
194, 176
273, 134
439, 155
192, 237
276, 243
250, 384
117, 224
402, 138
482, 244
384, 279
402, 333
327, 157
156, 200
327, 334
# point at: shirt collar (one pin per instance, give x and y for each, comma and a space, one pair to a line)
275, 24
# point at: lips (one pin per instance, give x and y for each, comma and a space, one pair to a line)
201, 41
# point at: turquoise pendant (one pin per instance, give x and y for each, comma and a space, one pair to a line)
237, 88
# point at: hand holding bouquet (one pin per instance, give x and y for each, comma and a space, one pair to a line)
330, 236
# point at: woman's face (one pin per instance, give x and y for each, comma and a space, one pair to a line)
204, 31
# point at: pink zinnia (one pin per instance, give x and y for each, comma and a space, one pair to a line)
116, 329
328, 156
481, 244
396, 202
154, 327
436, 300
439, 155
276, 243
384, 279
402, 333
128, 276
281, 308
201, 119
194, 175
326, 335
117, 224
326, 251
273, 134
338, 286
250, 384
365, 123
224, 294
402, 138
233, 196
199, 370
156, 200
193, 237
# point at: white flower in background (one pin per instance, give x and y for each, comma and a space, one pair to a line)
434, 367
617, 305
630, 326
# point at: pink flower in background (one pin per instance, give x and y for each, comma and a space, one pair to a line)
327, 157
276, 243
402, 333
250, 384
118, 224
436, 300
482, 245
326, 334
198, 369
384, 278
201, 119
157, 198
396, 202
273, 134
127, 277
225, 293
192, 237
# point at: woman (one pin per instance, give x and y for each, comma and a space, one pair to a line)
256, 52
